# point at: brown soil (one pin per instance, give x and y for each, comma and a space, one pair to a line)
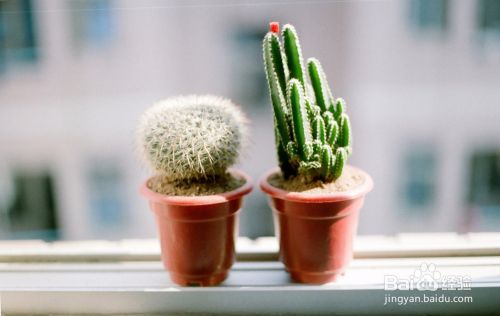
210, 186
349, 179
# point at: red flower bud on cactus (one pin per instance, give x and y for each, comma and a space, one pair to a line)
274, 27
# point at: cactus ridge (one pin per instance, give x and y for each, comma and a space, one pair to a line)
192, 137
312, 129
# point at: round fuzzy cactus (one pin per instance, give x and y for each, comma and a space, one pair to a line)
190, 138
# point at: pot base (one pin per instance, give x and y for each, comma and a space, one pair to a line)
192, 280
315, 278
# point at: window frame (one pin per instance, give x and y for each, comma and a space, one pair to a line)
105, 277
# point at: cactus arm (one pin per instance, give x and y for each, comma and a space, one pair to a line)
331, 107
293, 54
326, 161
340, 159
276, 92
310, 110
283, 158
345, 131
339, 108
318, 129
317, 149
277, 59
329, 121
318, 83
300, 123
333, 134
332, 167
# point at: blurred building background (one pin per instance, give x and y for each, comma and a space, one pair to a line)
421, 79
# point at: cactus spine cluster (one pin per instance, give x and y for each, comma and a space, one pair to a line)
312, 130
191, 138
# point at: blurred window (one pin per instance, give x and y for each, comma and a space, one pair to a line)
31, 211
250, 82
419, 181
91, 22
106, 199
489, 15
484, 178
484, 190
17, 35
429, 14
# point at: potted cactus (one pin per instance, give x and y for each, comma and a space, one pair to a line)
315, 195
190, 142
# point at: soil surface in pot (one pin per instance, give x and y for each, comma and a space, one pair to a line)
209, 186
349, 179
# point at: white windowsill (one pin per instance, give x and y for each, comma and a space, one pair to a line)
261, 249
127, 277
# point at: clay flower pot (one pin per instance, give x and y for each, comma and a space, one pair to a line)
198, 233
316, 231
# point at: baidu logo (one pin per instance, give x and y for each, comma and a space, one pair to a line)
426, 278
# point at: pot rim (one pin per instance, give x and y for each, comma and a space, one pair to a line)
354, 193
201, 199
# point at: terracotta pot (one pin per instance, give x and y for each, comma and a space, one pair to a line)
316, 231
198, 233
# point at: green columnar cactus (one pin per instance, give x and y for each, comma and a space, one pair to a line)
312, 129
191, 138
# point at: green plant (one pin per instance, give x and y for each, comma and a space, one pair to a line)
191, 138
312, 129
